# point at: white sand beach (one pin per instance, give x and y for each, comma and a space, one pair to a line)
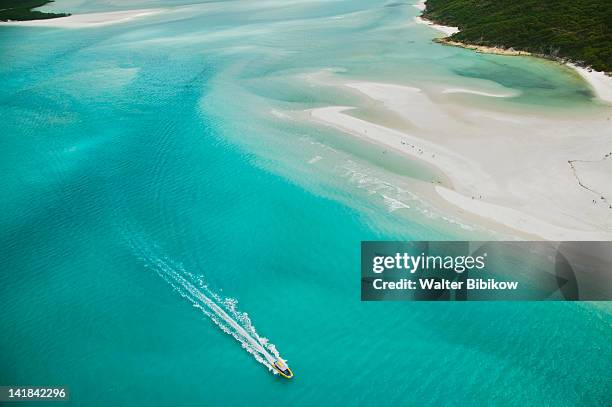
87, 20
446, 30
508, 168
599, 81
420, 5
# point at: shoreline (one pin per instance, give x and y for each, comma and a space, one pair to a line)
484, 49
444, 29
447, 30
88, 20
600, 82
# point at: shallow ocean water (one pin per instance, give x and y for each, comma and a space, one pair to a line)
162, 141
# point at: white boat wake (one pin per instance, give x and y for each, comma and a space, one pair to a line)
223, 312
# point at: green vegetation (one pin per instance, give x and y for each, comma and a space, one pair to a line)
578, 30
20, 10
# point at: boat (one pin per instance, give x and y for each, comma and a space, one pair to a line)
281, 367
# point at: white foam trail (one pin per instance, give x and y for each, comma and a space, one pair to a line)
230, 320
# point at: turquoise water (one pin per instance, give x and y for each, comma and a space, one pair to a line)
140, 151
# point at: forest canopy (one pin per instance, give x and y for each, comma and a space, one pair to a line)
578, 30
20, 10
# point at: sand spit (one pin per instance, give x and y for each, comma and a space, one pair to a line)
507, 168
